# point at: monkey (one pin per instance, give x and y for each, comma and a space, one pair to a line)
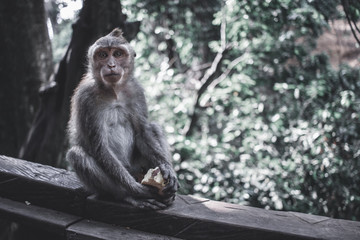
112, 142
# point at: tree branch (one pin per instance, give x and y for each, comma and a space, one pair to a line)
345, 4
223, 76
209, 76
207, 79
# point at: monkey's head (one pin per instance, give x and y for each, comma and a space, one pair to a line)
111, 59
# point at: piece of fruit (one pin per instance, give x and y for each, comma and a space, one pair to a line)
154, 178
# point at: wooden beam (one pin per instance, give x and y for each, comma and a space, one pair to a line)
36, 217
189, 217
54, 224
41, 185
196, 218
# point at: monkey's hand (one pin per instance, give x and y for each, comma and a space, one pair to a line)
146, 191
157, 201
171, 181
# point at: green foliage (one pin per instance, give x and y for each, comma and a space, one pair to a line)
61, 40
277, 127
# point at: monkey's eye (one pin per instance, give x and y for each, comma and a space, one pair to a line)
102, 54
117, 53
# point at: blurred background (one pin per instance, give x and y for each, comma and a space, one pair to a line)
260, 100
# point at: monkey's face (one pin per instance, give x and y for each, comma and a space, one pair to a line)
112, 65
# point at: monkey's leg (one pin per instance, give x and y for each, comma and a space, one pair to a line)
88, 171
97, 181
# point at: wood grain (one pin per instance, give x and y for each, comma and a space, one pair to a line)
91, 230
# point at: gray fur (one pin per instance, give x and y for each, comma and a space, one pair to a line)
112, 140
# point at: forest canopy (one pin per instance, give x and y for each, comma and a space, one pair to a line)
259, 99
256, 109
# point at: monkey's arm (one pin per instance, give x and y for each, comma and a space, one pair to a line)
153, 146
151, 143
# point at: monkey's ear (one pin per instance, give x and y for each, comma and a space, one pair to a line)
134, 54
117, 32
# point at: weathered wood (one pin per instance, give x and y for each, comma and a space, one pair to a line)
91, 230
54, 224
41, 185
198, 218
189, 217
125, 215
36, 217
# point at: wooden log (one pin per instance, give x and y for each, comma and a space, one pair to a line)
41, 185
91, 230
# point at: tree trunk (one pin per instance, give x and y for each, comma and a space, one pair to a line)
25, 63
47, 141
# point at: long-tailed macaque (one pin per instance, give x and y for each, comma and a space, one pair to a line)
112, 142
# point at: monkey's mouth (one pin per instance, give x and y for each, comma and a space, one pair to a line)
112, 77
112, 74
